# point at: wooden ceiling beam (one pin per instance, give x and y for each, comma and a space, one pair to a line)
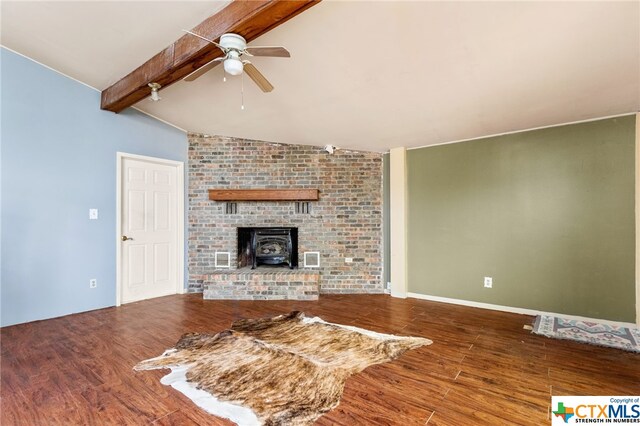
250, 19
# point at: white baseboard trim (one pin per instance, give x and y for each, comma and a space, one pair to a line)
400, 295
522, 311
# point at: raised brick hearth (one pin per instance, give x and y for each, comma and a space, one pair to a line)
345, 222
259, 284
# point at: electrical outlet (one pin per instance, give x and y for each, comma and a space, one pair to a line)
348, 260
488, 282
93, 214
93, 283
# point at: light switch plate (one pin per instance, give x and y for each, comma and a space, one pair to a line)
93, 214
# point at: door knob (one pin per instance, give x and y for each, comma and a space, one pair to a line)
125, 238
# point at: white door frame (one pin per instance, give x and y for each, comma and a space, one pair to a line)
179, 166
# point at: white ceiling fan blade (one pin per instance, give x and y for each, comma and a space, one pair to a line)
275, 51
206, 39
257, 77
203, 69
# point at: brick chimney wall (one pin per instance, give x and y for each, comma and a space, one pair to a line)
345, 223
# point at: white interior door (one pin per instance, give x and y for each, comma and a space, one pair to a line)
149, 210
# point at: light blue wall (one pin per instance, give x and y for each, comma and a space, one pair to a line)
58, 160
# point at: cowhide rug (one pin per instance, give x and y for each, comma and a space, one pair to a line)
286, 370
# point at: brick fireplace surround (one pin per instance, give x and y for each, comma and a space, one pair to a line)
346, 222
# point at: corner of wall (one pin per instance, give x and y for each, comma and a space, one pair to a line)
637, 185
398, 221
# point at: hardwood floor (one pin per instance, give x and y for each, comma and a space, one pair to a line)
482, 368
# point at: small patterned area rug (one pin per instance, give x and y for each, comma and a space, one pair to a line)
627, 339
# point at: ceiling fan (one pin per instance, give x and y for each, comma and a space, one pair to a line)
234, 47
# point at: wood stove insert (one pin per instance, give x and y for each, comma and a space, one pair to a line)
274, 247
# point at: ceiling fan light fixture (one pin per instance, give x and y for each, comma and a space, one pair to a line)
233, 66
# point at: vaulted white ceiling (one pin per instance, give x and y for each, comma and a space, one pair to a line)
364, 75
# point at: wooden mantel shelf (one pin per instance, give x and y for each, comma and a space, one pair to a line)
263, 194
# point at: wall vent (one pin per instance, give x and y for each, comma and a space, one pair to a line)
223, 260
231, 208
311, 259
303, 207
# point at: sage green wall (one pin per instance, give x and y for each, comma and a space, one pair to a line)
549, 214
